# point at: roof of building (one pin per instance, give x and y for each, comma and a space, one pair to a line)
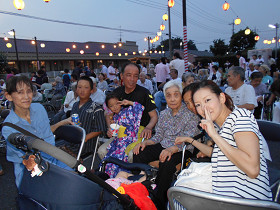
54, 47
201, 53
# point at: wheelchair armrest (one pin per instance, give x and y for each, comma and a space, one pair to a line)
149, 170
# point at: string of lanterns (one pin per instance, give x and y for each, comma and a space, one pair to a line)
237, 21
165, 17
19, 4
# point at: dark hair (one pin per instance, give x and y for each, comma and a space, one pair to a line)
110, 96
191, 87
102, 74
177, 55
163, 60
14, 81
86, 78
78, 63
42, 67
238, 53
215, 67
128, 64
275, 86
74, 76
40, 72
15, 71
45, 80
8, 70
256, 75
149, 75
214, 88
138, 62
66, 70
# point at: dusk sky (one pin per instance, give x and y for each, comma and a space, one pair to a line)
206, 20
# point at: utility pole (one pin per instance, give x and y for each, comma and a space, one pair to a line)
15, 41
232, 26
37, 53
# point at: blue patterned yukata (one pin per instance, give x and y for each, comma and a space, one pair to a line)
130, 119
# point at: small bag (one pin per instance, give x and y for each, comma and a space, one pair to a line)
197, 176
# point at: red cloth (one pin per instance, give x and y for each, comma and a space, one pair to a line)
139, 193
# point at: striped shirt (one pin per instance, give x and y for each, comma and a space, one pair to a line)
228, 179
92, 119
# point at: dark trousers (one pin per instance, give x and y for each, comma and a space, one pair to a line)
166, 170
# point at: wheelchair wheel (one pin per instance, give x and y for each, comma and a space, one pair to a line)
51, 110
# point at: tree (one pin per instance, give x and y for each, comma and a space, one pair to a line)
3, 63
242, 42
191, 45
175, 44
219, 47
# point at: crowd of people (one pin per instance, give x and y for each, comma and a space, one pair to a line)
159, 111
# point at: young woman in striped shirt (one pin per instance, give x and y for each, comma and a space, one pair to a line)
238, 160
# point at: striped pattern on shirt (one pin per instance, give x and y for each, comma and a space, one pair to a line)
228, 179
92, 119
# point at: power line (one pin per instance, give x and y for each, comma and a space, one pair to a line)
73, 23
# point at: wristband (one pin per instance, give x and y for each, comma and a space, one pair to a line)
192, 142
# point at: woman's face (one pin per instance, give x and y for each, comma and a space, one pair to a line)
204, 98
188, 81
22, 98
189, 102
114, 106
173, 97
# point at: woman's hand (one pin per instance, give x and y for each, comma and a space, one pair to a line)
109, 133
181, 139
166, 153
139, 146
207, 124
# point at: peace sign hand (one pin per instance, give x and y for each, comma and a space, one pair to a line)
207, 124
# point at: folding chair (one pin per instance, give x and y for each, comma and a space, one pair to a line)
270, 131
72, 134
194, 199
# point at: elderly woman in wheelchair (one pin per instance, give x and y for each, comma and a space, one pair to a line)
176, 120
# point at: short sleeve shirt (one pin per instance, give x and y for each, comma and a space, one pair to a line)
92, 119
227, 178
142, 96
243, 95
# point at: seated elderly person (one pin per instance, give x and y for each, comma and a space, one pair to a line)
176, 120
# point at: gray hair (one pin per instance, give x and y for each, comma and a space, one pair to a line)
172, 83
74, 86
58, 79
237, 70
187, 75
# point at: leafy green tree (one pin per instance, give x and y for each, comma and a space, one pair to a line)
175, 44
3, 63
242, 42
219, 47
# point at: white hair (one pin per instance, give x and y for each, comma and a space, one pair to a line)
172, 83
